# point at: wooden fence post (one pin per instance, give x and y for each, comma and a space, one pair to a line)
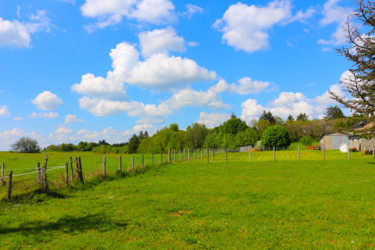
153, 159
184, 154
169, 155
39, 174
71, 168
274, 155
348, 153
373, 151
79, 169
133, 162
143, 161
9, 191
226, 154
194, 154
213, 154
208, 156
179, 151
324, 153
299, 154
188, 155
67, 174
2, 174
44, 178
161, 158
250, 154
120, 164
174, 155
104, 167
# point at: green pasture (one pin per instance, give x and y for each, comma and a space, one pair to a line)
240, 204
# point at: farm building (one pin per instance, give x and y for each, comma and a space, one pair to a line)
361, 144
245, 148
333, 140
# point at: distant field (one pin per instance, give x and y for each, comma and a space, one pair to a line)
263, 204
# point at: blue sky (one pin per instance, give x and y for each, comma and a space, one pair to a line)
73, 70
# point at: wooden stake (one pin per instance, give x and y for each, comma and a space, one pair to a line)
299, 154
104, 167
179, 151
2, 174
226, 154
71, 168
133, 162
274, 156
153, 159
174, 155
250, 154
67, 174
120, 164
188, 155
143, 160
169, 155
44, 178
184, 154
9, 191
79, 169
39, 174
208, 155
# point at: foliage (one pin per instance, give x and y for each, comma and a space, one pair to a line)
306, 140
302, 117
290, 118
268, 117
262, 125
234, 126
359, 83
26, 145
277, 136
258, 145
246, 137
174, 127
334, 113
195, 135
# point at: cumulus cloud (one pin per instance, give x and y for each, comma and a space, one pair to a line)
160, 41
4, 111
63, 130
246, 86
159, 71
50, 115
111, 12
335, 14
47, 101
191, 9
212, 120
251, 110
18, 34
246, 27
71, 119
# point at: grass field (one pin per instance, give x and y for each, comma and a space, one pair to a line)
263, 204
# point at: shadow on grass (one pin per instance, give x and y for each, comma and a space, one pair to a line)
68, 224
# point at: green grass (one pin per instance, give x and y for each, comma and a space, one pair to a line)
263, 204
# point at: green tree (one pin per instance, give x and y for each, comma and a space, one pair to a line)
302, 117
268, 117
334, 113
290, 118
246, 137
133, 144
196, 135
306, 140
233, 126
173, 127
26, 145
262, 125
359, 83
276, 136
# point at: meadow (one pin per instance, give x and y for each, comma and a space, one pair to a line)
240, 204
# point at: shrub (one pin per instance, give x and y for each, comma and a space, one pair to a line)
276, 136
26, 145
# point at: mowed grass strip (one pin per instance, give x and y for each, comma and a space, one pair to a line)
217, 205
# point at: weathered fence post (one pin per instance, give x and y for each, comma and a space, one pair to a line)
324, 153
79, 169
71, 168
194, 154
226, 154
44, 178
179, 151
67, 174
188, 155
153, 159
39, 174
184, 154
143, 161
9, 191
213, 154
274, 156
104, 167
133, 162
120, 164
208, 156
2, 174
299, 154
169, 155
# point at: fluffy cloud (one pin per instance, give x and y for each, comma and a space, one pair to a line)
158, 71
212, 120
71, 119
63, 130
246, 86
246, 27
333, 13
4, 111
18, 34
251, 110
111, 12
191, 9
49, 115
47, 101
160, 41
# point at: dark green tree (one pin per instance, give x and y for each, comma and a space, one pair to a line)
173, 127
302, 117
276, 136
233, 126
290, 118
268, 117
334, 113
306, 140
26, 145
133, 144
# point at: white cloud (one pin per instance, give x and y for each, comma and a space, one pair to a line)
63, 130
288, 97
49, 115
192, 44
160, 41
111, 12
18, 34
18, 118
246, 27
47, 101
71, 119
212, 120
302, 16
4, 111
191, 9
158, 71
335, 14
246, 86
251, 110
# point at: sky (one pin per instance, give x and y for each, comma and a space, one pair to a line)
86, 70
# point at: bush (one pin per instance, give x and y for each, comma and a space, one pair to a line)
306, 140
276, 136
